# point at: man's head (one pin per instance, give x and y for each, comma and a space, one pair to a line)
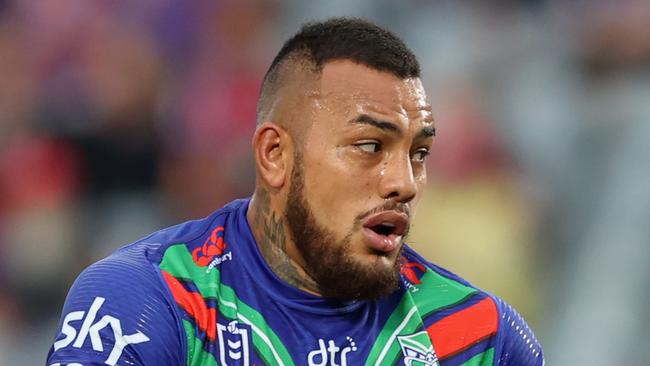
343, 130
304, 55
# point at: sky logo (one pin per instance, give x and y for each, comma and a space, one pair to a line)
91, 329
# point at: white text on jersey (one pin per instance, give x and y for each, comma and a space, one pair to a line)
91, 328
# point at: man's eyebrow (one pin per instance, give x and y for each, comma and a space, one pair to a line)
382, 125
428, 131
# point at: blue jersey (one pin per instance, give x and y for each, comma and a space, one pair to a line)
200, 293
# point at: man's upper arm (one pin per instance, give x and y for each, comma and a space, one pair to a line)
117, 312
518, 346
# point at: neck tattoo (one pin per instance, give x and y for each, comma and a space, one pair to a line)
270, 233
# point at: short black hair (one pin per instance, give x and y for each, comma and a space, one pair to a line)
343, 38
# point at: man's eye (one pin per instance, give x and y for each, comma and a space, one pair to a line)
421, 155
369, 147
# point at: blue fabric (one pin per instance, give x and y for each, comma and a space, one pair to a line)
120, 310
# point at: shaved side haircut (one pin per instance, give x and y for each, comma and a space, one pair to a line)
317, 43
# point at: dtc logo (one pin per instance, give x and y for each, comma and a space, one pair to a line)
418, 350
213, 246
234, 343
91, 328
331, 354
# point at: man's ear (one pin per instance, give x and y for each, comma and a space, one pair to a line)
273, 149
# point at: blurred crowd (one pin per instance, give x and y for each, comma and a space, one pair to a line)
121, 117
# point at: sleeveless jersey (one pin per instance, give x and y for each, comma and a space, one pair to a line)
201, 294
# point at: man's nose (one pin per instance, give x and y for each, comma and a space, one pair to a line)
397, 180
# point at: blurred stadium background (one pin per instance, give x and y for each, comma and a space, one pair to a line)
121, 117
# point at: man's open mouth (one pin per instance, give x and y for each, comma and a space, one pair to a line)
386, 229
388, 223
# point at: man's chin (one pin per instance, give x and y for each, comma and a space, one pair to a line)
368, 277
372, 257
377, 262
364, 291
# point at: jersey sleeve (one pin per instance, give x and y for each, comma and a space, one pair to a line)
517, 345
118, 313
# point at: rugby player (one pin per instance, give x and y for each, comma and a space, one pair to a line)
313, 268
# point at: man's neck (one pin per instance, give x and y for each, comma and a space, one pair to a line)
270, 231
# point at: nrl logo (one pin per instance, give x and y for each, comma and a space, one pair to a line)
417, 350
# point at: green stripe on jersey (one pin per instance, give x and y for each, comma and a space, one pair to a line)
178, 262
435, 292
196, 355
482, 359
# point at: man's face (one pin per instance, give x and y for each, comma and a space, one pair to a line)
357, 177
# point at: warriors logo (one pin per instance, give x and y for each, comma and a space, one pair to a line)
417, 350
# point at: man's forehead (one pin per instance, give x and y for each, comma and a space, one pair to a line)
352, 86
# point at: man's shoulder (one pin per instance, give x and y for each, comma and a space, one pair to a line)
124, 292
453, 308
452, 293
136, 271
151, 249
132, 272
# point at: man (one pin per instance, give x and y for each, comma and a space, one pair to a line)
312, 270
